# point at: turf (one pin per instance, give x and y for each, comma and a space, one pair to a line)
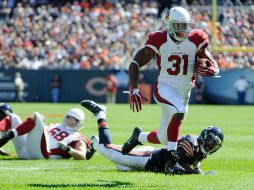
233, 163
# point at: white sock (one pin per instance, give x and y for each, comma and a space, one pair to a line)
101, 115
15, 132
143, 137
172, 145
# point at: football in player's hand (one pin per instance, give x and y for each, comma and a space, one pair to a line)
204, 67
203, 62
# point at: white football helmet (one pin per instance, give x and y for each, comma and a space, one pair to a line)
77, 114
178, 23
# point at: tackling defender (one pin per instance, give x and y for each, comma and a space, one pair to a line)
32, 139
176, 49
191, 149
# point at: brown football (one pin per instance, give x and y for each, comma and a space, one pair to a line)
203, 62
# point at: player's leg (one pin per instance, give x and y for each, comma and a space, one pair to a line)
34, 128
37, 138
19, 142
100, 113
174, 105
104, 142
136, 160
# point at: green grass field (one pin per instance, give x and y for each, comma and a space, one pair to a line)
233, 163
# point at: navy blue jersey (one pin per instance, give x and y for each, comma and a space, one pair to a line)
187, 149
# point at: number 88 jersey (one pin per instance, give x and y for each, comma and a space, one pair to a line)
175, 60
60, 133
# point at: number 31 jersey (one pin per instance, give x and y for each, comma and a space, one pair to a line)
176, 61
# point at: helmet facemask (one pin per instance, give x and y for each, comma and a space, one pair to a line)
209, 141
179, 30
212, 143
74, 119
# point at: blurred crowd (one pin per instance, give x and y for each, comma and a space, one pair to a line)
75, 35
103, 34
234, 28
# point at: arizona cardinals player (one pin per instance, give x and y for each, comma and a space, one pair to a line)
176, 50
34, 140
191, 149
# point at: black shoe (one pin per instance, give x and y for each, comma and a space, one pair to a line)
92, 150
172, 166
93, 107
132, 142
5, 137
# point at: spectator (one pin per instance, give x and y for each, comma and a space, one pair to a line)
64, 36
241, 86
19, 87
111, 88
55, 88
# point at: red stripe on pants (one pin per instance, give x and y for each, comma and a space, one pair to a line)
153, 138
25, 127
174, 129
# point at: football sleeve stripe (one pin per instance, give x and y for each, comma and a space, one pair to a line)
187, 147
153, 48
204, 44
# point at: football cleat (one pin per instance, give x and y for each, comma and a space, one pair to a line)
93, 107
94, 146
5, 136
132, 142
172, 166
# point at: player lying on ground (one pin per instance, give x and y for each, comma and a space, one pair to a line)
191, 149
32, 139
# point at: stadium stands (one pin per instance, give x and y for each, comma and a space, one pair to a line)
83, 35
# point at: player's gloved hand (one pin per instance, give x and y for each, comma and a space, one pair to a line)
63, 146
135, 101
207, 71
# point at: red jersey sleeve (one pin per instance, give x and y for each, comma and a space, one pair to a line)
155, 40
199, 38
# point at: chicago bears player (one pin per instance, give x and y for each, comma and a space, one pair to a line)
191, 149
32, 139
176, 49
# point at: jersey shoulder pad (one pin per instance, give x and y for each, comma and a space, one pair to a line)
187, 144
156, 39
199, 37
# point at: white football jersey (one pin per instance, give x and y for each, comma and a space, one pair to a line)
60, 133
176, 61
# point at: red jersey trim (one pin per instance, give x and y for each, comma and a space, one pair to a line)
159, 98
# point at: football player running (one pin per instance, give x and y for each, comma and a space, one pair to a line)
32, 139
191, 149
176, 49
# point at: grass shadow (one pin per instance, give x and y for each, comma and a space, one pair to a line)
9, 158
102, 183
